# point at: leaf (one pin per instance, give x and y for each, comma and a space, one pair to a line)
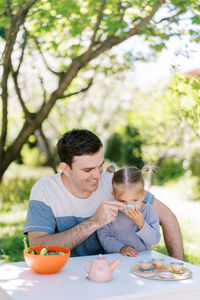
5, 22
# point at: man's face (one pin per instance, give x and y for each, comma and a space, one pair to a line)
85, 173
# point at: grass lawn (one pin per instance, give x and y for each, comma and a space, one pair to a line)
11, 236
191, 243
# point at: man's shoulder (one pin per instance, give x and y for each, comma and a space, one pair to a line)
47, 181
106, 178
105, 185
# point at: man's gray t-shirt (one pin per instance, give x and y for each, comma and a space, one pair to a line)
52, 208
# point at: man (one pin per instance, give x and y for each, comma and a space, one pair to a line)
67, 208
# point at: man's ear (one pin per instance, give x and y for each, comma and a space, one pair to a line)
65, 168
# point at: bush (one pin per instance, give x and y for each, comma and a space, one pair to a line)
194, 163
125, 149
15, 193
170, 169
113, 149
195, 189
12, 248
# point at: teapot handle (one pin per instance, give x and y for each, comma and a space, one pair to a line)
85, 267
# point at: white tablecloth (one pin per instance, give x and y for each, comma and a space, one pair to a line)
18, 282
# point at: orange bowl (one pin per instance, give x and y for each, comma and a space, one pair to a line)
46, 264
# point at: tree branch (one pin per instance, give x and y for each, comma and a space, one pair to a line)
99, 17
114, 40
123, 8
16, 22
76, 65
146, 20
82, 60
78, 92
48, 150
171, 18
22, 103
8, 9
43, 58
43, 88
23, 48
44, 91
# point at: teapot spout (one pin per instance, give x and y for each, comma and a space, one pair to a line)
114, 264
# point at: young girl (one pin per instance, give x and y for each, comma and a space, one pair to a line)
137, 227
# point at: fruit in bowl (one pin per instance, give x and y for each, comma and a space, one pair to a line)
46, 260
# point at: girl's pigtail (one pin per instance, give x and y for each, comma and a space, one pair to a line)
110, 169
147, 169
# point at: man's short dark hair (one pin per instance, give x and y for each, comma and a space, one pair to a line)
77, 142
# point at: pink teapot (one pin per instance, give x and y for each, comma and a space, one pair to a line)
101, 269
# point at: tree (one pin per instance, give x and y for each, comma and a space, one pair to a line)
114, 149
183, 98
155, 114
72, 38
126, 148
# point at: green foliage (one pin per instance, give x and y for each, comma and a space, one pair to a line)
66, 29
70, 40
12, 247
170, 169
194, 169
191, 254
158, 47
32, 157
125, 149
195, 189
183, 98
114, 148
187, 185
2, 32
14, 193
132, 147
194, 163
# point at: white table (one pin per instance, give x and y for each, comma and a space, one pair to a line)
18, 282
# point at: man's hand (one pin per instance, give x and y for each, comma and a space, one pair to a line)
135, 215
107, 212
128, 251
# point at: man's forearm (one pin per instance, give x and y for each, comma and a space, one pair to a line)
173, 240
70, 238
171, 230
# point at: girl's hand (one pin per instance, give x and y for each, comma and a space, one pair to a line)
128, 251
135, 215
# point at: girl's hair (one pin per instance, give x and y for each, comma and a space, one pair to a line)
130, 175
